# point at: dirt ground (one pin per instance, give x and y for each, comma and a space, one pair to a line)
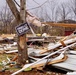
31, 73
11, 70
49, 70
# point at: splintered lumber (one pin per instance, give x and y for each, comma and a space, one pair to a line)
58, 44
60, 24
60, 58
7, 38
36, 39
15, 58
63, 44
12, 51
29, 65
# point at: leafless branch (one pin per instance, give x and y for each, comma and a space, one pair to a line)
37, 6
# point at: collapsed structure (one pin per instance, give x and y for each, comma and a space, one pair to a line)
60, 54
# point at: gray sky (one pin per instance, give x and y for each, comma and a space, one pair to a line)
31, 3
35, 3
2, 3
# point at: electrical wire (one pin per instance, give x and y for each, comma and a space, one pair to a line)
17, 3
34, 7
36, 2
37, 6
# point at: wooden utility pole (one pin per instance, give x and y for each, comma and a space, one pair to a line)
20, 18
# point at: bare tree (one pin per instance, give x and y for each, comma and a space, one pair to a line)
62, 12
6, 17
20, 18
72, 6
52, 4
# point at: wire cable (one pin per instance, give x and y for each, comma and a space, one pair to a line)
37, 6
16, 3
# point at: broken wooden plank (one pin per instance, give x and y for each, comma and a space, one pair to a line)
12, 51
51, 61
36, 40
60, 24
66, 42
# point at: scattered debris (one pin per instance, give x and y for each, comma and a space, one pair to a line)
60, 54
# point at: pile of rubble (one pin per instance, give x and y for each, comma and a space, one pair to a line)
61, 55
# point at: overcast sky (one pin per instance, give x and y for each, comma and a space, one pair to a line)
2, 3
35, 3
31, 3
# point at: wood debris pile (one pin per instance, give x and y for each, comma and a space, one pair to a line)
58, 54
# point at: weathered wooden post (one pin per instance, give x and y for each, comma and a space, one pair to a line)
20, 19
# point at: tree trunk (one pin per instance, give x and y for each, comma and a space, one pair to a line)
20, 18
22, 46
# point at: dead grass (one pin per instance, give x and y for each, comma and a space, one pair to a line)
10, 70
3, 57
